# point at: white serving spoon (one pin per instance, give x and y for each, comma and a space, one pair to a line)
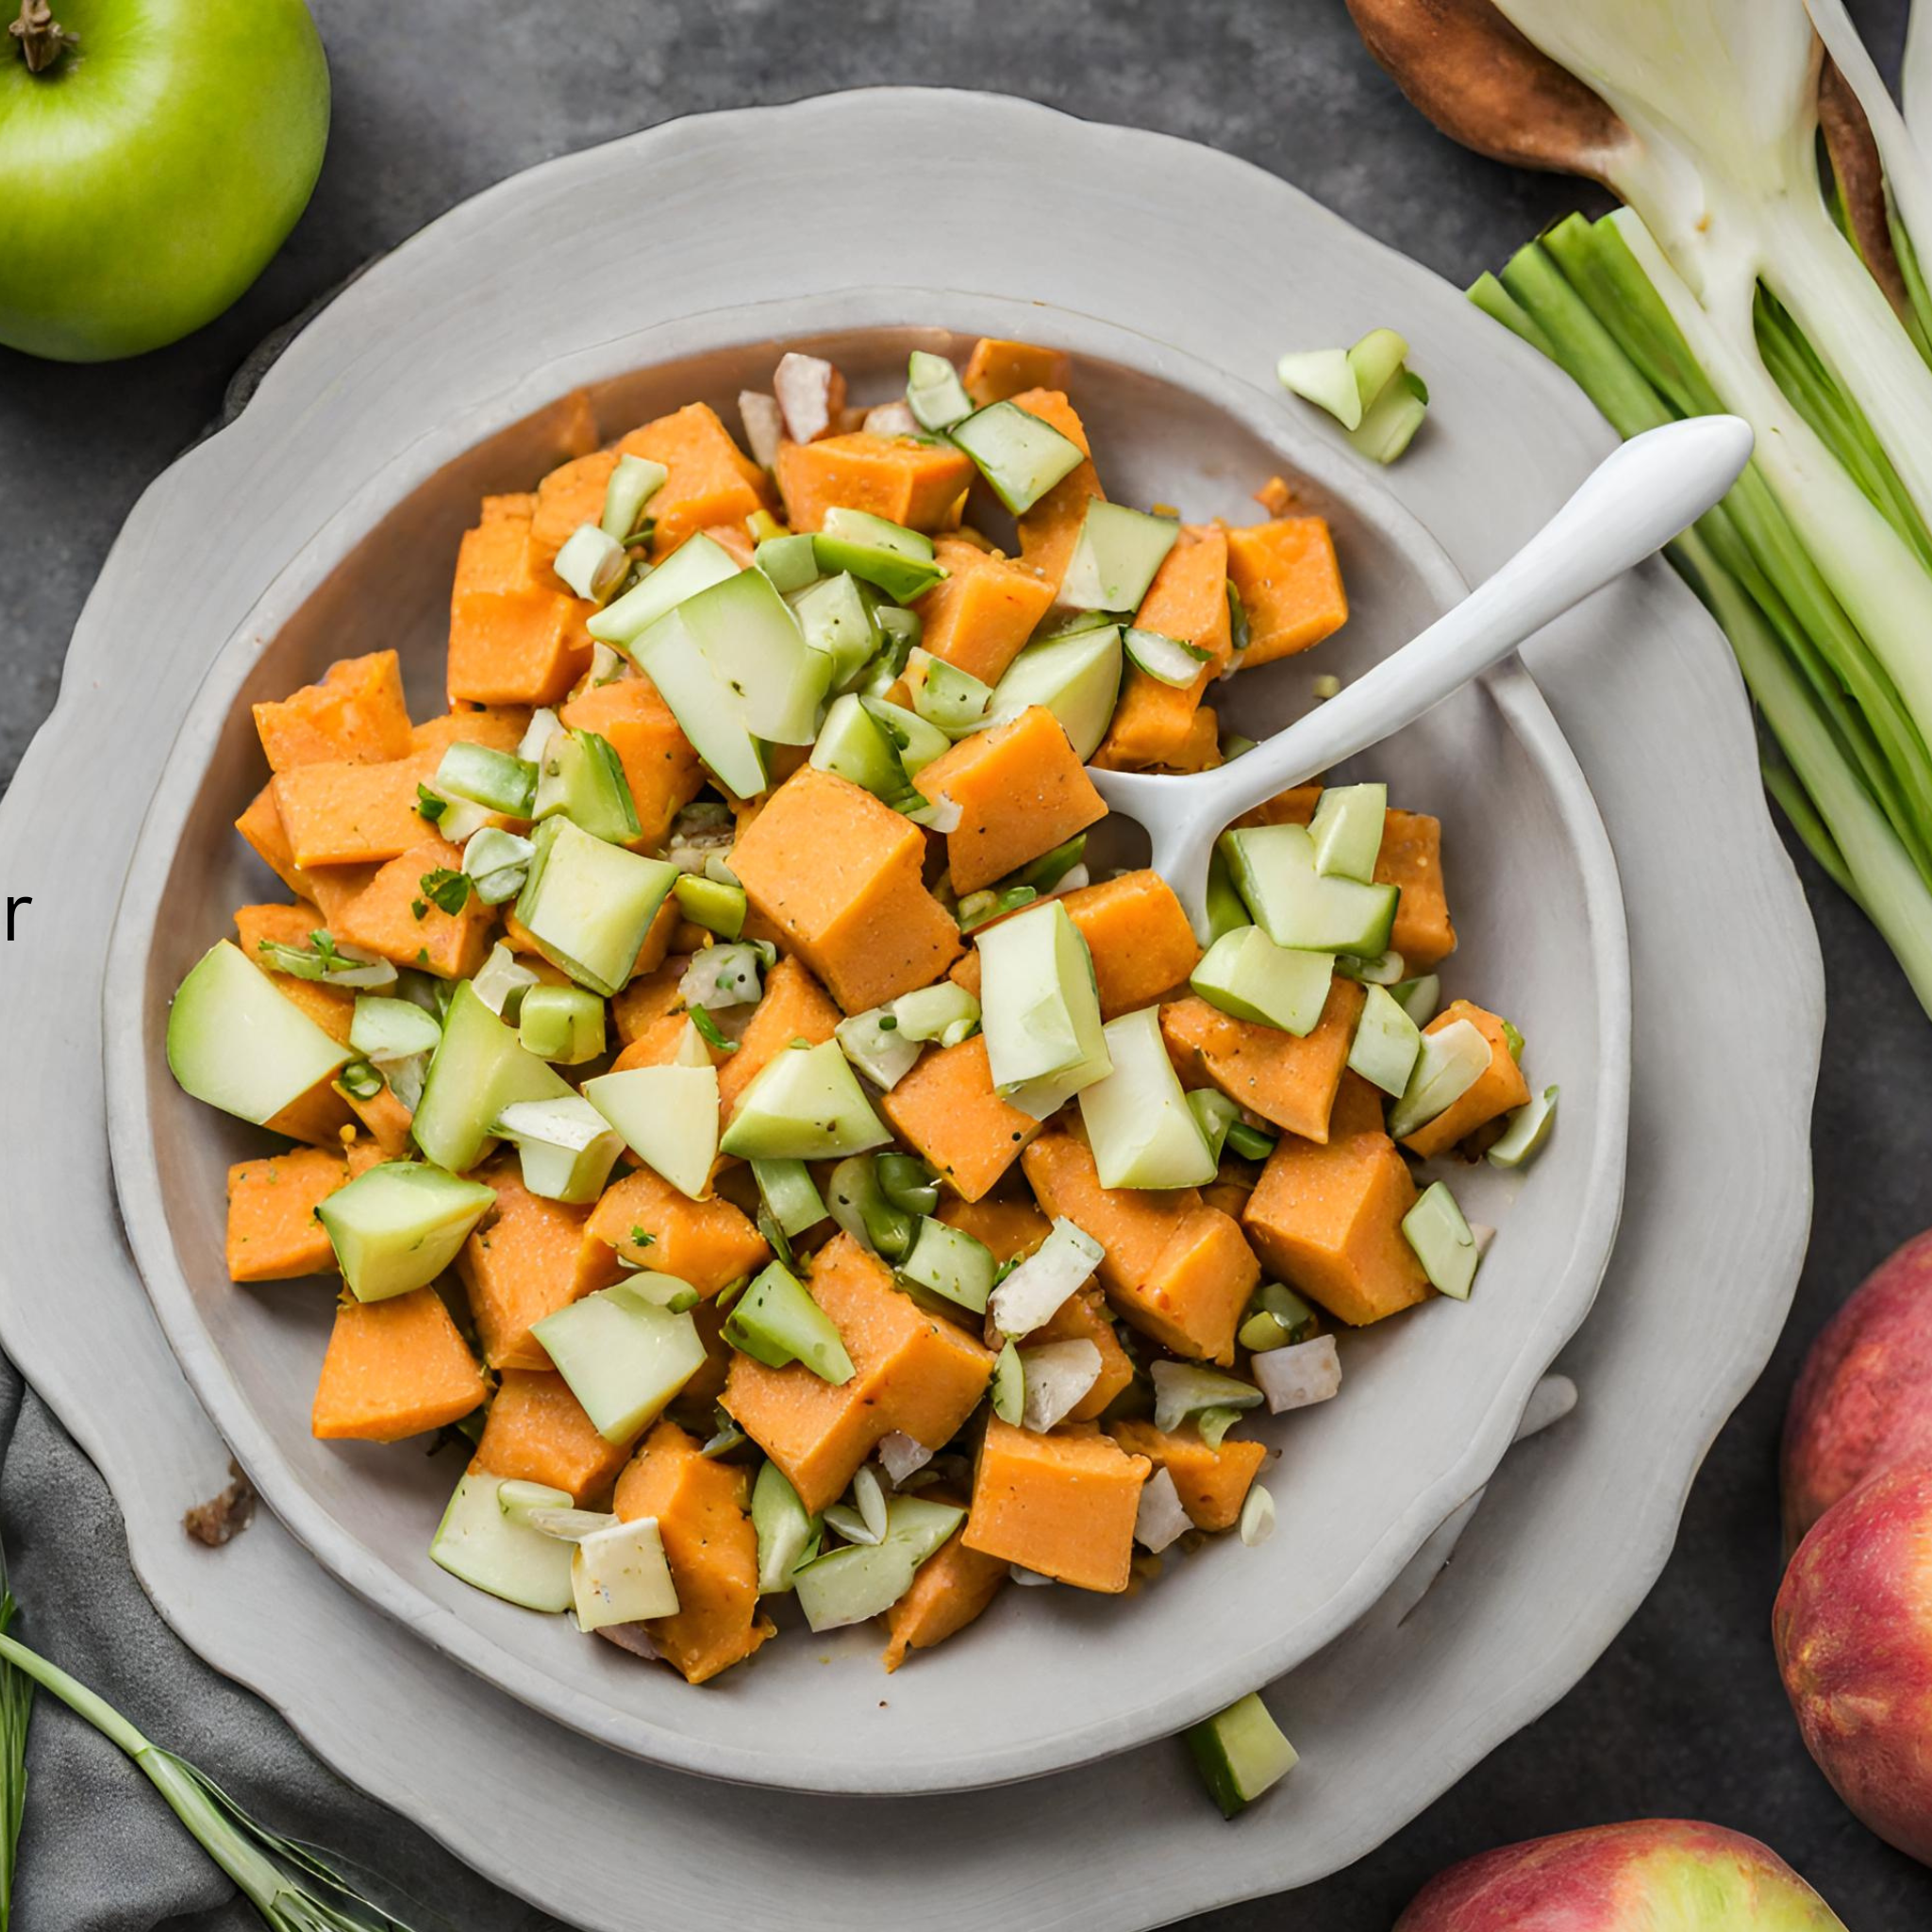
1635, 501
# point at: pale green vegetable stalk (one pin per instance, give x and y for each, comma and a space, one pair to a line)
16, 1713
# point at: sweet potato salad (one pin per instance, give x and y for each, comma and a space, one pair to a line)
727, 1093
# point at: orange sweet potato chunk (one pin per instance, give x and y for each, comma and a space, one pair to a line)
838, 873
1082, 1317
336, 814
1212, 1483
500, 727
519, 1267
648, 998
997, 371
981, 614
1020, 791
707, 1244
384, 1117
516, 637
953, 1587
1285, 1079
394, 1369
1140, 937
699, 1505
1009, 1228
355, 714
1327, 1220
273, 1232
1411, 858
794, 1006
660, 764
1156, 724
1498, 1088
1050, 529
1062, 1504
536, 1432
711, 481
393, 917
571, 494
912, 483
912, 1371
1291, 584
947, 1109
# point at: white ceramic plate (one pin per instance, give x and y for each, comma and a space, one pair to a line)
1048, 1678
1576, 1525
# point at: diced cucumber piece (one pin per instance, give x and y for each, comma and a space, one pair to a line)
1008, 1391
1387, 1043
1449, 1063
667, 1117
1244, 973
934, 393
848, 1586
1419, 997
478, 1544
589, 903
592, 562
581, 777
624, 1356
1240, 1753
711, 904
695, 565
791, 1195
496, 863
478, 1071
954, 700
1020, 456
898, 560
563, 1024
837, 619
900, 632
1529, 1128
873, 1043
1143, 1131
1326, 378
758, 653
1274, 870
565, 1147
917, 742
1184, 1389
1390, 426
387, 1029
776, 1322
1227, 911
920, 1525
706, 710
952, 1263
858, 1203
804, 1103
1076, 678
1347, 832
496, 780
397, 1226
1117, 555
1514, 1040
666, 1290
236, 1043
786, 1531
857, 747
1166, 659
545, 725
1434, 1228
1214, 1113
1033, 1293
632, 485
1039, 1009
790, 561
622, 1575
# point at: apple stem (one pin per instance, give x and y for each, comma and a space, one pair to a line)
42, 38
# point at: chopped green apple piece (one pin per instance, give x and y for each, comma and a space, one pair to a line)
1039, 1009
1346, 831
667, 1117
1076, 677
756, 650
695, 565
1374, 361
1184, 1389
1138, 1120
478, 1070
565, 1147
1434, 1228
1387, 1043
804, 1103
1419, 997
1035, 1289
397, 1226
496, 780
1249, 1143
581, 777
237, 1043
1115, 558
1448, 1064
850, 1585
1166, 659
934, 393
623, 1356
1274, 868
790, 561
706, 710
713, 903
873, 1043
622, 1575
776, 1322
1020, 456
1008, 1391
837, 619
1240, 1753
1529, 1128
1244, 973
589, 903
856, 746
917, 742
907, 1182
501, 981
563, 1024
951, 1263
786, 1531
1323, 378
477, 1543
897, 560
632, 485
1386, 970
1389, 427
387, 1029
953, 700
1227, 912
791, 1195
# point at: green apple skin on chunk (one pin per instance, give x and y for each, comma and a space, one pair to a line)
235, 1043
478, 1071
805, 1103
667, 1117
1039, 1009
1274, 870
1142, 1129
623, 1356
1076, 678
1244, 973
399, 1225
590, 903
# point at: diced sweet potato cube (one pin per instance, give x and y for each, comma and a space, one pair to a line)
1275, 496
698, 1398
344, 814
571, 494
997, 371
1062, 1504
659, 762
980, 615
394, 1369
794, 1006
1009, 1228
498, 558
1140, 937
840, 874
946, 1109
1155, 722
912, 1371
699, 1505
952, 1587
648, 998
1327, 1220
519, 1267
355, 714
384, 1117
1294, 806
1358, 1108
319, 1117
273, 1232
516, 637
711, 481
1212, 1483
1411, 858
1286, 1079
1020, 791
1499, 1087
657, 1046
1290, 585
912, 483
499, 727
1082, 1317
395, 918
332, 1007
707, 1244
536, 1432
1200, 750
362, 1155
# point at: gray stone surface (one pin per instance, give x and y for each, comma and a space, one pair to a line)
437, 100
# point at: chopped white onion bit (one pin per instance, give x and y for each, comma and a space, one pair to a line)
1294, 1376
901, 1456
1029, 1579
1257, 1517
545, 725
804, 385
850, 1524
1057, 1375
1033, 1293
764, 426
941, 814
1160, 1519
500, 976
592, 561
890, 419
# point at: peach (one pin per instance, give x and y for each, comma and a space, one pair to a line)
1653, 1874
1864, 1400
1853, 1628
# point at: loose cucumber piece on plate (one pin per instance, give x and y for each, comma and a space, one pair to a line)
1375, 362
563, 1024
848, 1586
478, 1544
1447, 1065
667, 1117
1244, 973
1138, 1120
623, 1356
589, 903
1326, 378
397, 1226
1116, 557
1346, 831
1020, 456
236, 1043
581, 777
1529, 1128
1274, 868
776, 1322
621, 1575
1387, 1043
785, 1529
1240, 1753
695, 565
1434, 1228
804, 1103
1076, 677
478, 1070
899, 561
1389, 425
1039, 1009
934, 393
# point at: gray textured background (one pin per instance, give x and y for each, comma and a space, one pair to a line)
439, 98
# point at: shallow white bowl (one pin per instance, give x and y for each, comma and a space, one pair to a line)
1048, 1678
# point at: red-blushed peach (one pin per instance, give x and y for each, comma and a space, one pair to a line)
1864, 1400
1853, 1628
1653, 1874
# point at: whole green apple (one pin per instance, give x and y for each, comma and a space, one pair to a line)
153, 154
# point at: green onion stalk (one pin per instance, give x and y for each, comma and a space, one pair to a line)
1730, 281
